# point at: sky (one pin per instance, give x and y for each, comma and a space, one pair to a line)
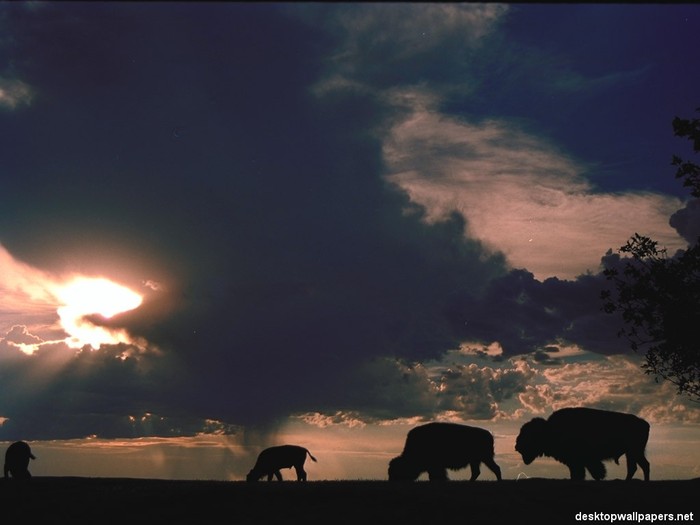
226, 226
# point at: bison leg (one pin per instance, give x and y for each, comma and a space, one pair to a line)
275, 473
644, 463
21, 474
597, 469
491, 464
633, 461
475, 470
577, 472
438, 474
631, 466
301, 473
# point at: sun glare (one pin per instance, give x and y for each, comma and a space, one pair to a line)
84, 296
77, 299
98, 296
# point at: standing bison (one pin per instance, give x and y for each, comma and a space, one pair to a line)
436, 447
17, 458
582, 438
272, 459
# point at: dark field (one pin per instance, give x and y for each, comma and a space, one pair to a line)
53, 500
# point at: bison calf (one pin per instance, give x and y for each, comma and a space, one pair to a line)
17, 458
436, 447
272, 459
582, 438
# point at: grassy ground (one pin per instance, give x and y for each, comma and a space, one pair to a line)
120, 501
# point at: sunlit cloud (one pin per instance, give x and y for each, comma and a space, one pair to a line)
14, 93
518, 193
618, 383
71, 304
83, 296
477, 386
326, 420
19, 337
153, 285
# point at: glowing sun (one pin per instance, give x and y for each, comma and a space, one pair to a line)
86, 296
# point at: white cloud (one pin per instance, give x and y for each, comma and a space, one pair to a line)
518, 193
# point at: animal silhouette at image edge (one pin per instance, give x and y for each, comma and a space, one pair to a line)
17, 458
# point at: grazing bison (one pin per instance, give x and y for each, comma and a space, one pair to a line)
17, 458
272, 459
436, 447
582, 438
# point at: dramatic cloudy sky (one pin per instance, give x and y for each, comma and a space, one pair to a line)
227, 225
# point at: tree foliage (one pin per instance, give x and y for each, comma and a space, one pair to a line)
658, 295
659, 299
686, 170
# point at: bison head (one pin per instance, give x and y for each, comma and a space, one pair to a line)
400, 469
253, 475
531, 442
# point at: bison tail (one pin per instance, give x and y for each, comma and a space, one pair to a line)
312, 458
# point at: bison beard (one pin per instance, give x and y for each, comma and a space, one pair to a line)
436, 447
582, 438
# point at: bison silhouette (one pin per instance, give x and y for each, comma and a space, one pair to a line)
17, 458
272, 459
582, 438
436, 447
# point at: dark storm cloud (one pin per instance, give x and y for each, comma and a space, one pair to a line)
526, 315
184, 144
385, 45
19, 334
185, 140
687, 221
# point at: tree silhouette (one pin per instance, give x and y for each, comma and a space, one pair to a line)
689, 171
659, 295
